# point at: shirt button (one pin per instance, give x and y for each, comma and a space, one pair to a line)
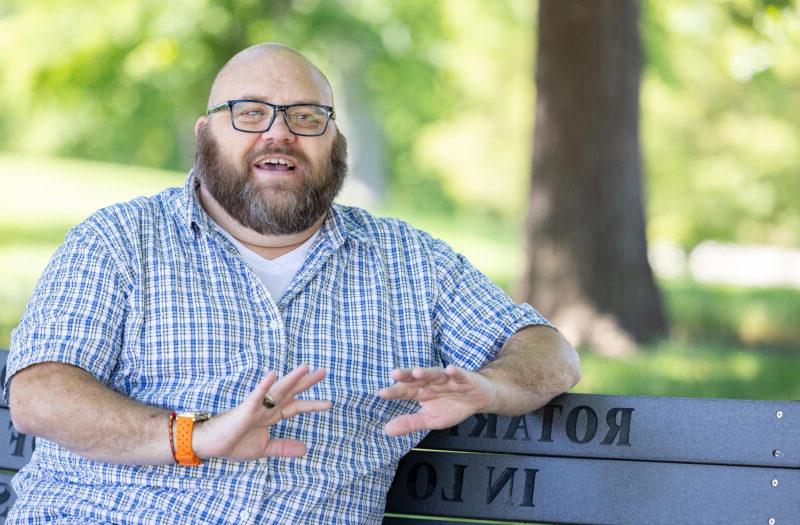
275, 324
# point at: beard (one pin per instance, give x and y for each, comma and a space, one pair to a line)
276, 210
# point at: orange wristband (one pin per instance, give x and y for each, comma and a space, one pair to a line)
184, 453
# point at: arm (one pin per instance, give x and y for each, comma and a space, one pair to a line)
67, 405
535, 365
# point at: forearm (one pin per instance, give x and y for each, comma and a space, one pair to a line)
535, 365
67, 405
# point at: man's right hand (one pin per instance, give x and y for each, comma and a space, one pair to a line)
242, 433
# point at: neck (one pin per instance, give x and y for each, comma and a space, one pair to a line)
267, 246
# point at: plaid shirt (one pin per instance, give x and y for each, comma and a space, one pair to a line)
157, 304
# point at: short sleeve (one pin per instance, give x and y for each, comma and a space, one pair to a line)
473, 317
76, 312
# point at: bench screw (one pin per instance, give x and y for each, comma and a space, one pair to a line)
771, 521
779, 414
774, 482
776, 453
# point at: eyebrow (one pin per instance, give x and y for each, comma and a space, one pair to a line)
258, 98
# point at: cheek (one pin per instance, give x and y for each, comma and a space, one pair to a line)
233, 145
321, 150
236, 154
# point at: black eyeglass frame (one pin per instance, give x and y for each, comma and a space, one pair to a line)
228, 104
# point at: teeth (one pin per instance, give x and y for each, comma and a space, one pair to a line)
278, 161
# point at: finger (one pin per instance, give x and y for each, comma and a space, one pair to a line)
406, 424
287, 448
305, 406
283, 386
398, 391
427, 374
401, 374
307, 381
459, 375
431, 378
262, 388
426, 377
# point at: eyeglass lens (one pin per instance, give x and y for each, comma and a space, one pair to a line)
302, 119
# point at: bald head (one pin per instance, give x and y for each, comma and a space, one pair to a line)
271, 65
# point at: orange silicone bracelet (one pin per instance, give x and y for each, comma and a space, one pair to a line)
184, 453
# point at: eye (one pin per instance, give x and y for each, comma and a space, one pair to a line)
252, 113
309, 117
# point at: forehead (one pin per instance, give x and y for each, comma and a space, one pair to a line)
280, 78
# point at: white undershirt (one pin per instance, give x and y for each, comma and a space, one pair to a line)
276, 274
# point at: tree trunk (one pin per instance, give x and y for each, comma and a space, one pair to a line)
587, 267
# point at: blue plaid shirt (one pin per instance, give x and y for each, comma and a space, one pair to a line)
155, 302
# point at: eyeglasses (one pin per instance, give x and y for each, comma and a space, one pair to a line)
255, 116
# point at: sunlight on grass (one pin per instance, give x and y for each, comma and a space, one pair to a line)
671, 369
47, 191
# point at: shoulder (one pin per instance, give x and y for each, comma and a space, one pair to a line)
129, 218
123, 227
131, 215
386, 233
402, 246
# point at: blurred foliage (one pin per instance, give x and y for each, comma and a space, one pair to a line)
450, 85
124, 81
721, 115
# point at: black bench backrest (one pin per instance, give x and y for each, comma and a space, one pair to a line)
585, 459
611, 459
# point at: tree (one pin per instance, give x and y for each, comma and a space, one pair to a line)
587, 267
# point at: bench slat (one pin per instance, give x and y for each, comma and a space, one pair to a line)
719, 431
15, 448
7, 496
3, 359
569, 490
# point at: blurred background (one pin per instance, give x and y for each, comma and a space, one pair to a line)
439, 99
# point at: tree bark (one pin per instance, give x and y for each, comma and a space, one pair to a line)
587, 266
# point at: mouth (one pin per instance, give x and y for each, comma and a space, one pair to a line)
274, 164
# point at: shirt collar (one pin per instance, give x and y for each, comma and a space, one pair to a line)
190, 213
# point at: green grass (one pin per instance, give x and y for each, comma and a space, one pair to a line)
764, 317
726, 341
689, 370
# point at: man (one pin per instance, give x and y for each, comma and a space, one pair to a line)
234, 297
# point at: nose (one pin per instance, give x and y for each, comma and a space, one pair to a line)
279, 130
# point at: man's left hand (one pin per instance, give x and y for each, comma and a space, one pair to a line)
447, 396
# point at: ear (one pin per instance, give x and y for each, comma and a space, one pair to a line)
201, 122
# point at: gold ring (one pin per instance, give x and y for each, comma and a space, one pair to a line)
268, 401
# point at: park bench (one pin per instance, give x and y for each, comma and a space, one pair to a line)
590, 459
